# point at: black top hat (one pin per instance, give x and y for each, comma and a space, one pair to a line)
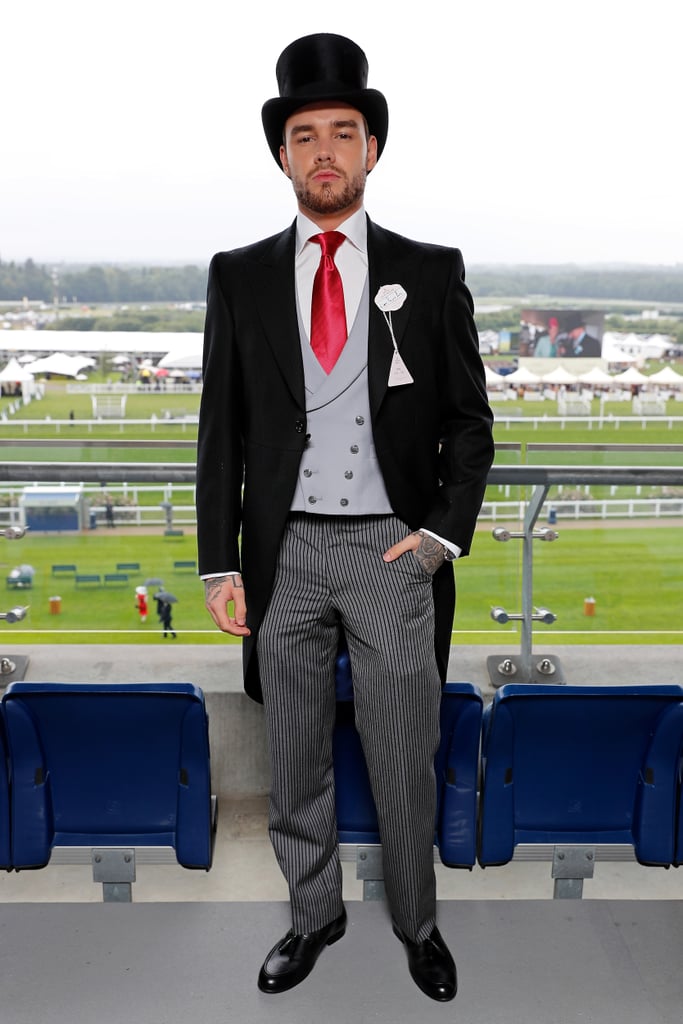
323, 67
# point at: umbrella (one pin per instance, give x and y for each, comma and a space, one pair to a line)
154, 581
164, 595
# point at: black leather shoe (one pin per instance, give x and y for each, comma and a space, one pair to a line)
431, 965
293, 958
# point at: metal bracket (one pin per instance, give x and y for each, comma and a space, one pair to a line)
525, 667
12, 668
115, 869
571, 864
510, 668
370, 870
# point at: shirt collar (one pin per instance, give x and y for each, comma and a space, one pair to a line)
354, 227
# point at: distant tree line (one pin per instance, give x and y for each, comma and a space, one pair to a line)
628, 284
101, 284
117, 283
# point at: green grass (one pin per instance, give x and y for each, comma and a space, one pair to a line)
634, 574
104, 614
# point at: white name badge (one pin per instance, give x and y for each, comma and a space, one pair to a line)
399, 374
390, 297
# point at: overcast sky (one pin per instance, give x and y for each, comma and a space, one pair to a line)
522, 131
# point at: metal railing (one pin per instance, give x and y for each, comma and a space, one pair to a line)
538, 480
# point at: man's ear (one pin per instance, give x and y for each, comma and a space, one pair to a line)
371, 159
284, 161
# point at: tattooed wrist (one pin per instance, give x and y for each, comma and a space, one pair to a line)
213, 586
430, 553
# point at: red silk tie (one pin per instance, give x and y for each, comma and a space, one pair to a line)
328, 315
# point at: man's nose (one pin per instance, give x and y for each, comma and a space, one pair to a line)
324, 153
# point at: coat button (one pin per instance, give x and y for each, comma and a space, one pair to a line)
348, 474
299, 426
343, 502
354, 449
312, 500
360, 420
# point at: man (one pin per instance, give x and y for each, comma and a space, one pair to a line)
350, 444
578, 343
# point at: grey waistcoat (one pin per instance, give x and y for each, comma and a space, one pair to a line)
339, 474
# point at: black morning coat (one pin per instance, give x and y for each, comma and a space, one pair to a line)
433, 438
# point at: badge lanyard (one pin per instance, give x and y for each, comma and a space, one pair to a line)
389, 298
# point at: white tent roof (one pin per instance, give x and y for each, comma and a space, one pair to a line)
596, 376
186, 355
15, 373
630, 376
666, 376
59, 362
559, 376
613, 354
523, 376
492, 377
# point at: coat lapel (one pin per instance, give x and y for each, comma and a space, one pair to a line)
389, 263
272, 277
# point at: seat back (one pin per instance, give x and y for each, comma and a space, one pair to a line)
456, 767
581, 765
108, 765
5, 854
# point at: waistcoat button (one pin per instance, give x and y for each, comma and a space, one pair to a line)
312, 500
354, 449
360, 420
348, 474
344, 502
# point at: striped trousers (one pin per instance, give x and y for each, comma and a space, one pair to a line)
331, 575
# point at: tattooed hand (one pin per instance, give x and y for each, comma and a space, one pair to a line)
219, 593
428, 551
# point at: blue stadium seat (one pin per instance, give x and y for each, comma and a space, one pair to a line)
456, 766
582, 765
108, 765
5, 854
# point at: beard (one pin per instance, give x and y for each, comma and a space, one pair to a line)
324, 199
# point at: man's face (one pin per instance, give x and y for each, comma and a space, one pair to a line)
327, 154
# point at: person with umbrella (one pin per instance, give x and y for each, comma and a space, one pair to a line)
164, 602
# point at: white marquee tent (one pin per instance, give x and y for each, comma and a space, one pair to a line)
61, 363
559, 376
15, 373
630, 376
666, 376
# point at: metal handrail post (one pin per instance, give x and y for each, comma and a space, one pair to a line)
533, 510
